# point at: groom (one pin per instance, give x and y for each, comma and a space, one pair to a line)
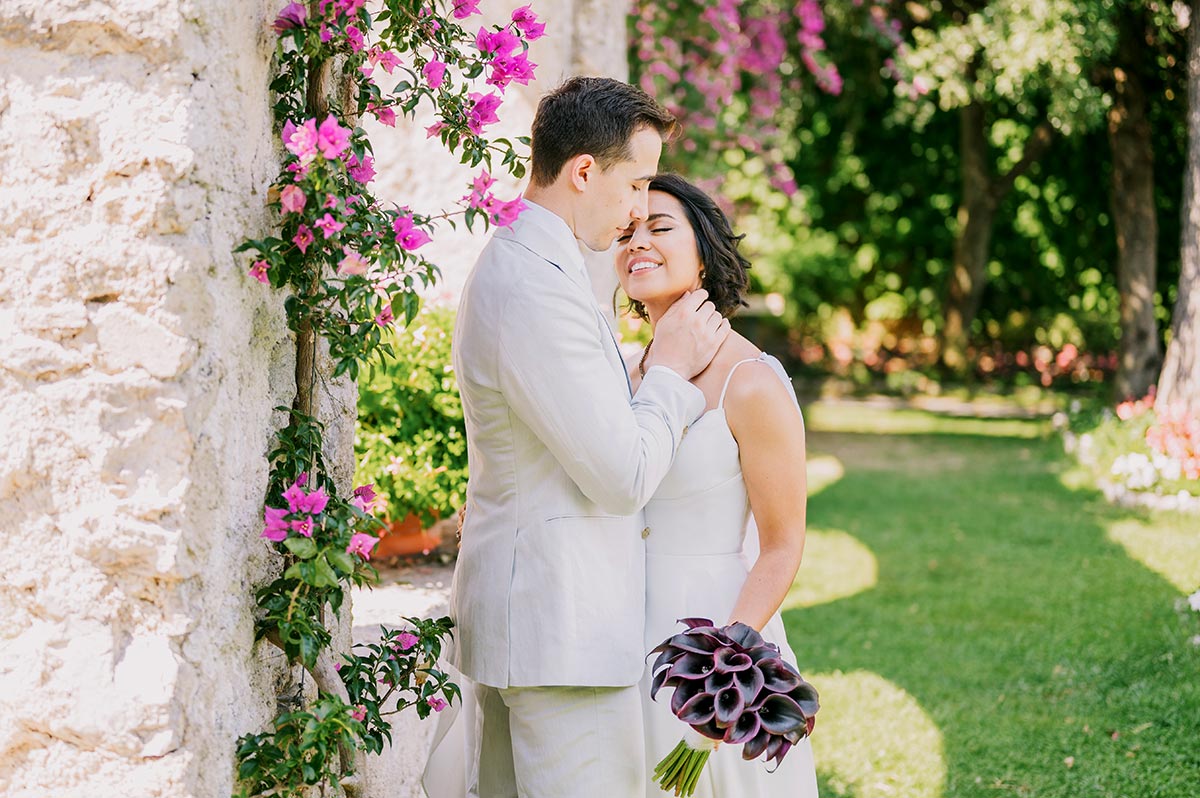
549, 587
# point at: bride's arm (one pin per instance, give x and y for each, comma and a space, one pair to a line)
770, 436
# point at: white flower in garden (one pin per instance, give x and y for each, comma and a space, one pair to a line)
1138, 472
1170, 468
1086, 447
1194, 601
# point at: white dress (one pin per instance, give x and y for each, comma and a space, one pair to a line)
700, 547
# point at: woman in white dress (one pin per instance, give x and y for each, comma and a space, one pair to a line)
725, 530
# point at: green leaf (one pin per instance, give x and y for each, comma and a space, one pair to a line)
302, 547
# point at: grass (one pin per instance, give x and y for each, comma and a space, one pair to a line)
981, 628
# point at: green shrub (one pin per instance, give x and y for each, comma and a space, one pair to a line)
410, 440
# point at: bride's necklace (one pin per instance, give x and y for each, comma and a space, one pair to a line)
642, 362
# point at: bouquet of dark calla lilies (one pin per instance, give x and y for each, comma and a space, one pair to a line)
730, 686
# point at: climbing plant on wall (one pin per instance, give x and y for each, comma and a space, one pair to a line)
351, 266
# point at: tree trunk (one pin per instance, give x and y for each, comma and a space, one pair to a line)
976, 215
1180, 378
981, 196
1134, 216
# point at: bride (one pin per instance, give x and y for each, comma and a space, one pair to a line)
740, 467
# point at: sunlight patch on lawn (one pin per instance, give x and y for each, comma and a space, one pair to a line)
823, 471
873, 740
836, 565
1167, 544
851, 417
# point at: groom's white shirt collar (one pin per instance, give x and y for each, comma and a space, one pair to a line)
547, 234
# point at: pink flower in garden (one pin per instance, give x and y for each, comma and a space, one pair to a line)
395, 465
293, 15
364, 497
294, 495
332, 138
353, 263
483, 181
435, 703
354, 37
292, 199
362, 171
366, 70
331, 201
325, 33
362, 543
383, 113
276, 528
435, 73
359, 713
499, 43
508, 68
388, 60
385, 316
434, 129
408, 236
303, 238
483, 111
507, 212
465, 8
406, 640
258, 270
304, 526
527, 23
328, 225
301, 141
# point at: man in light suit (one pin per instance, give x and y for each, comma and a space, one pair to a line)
549, 588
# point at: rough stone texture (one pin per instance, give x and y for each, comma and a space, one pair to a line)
138, 371
582, 37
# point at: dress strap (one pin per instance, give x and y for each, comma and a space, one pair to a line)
729, 377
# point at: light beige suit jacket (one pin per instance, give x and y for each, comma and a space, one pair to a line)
549, 588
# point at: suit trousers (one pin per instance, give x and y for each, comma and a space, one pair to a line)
557, 742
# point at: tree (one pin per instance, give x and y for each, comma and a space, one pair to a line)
1180, 378
1022, 60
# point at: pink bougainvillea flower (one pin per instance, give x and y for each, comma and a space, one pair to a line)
435, 73
325, 33
384, 114
331, 201
332, 138
258, 270
328, 225
465, 8
292, 199
496, 43
354, 37
303, 238
508, 212
353, 263
366, 70
406, 640
293, 496
389, 61
385, 317
483, 111
408, 236
362, 543
304, 526
435, 703
362, 171
364, 497
301, 141
434, 129
293, 15
359, 713
276, 528
527, 23
483, 181
509, 68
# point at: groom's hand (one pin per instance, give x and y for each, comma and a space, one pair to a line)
688, 335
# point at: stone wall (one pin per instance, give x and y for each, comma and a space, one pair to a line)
138, 371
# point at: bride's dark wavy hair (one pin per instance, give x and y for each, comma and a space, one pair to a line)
723, 269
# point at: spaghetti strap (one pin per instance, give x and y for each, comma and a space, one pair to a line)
728, 377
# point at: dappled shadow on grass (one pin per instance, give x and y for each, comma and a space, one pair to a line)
1051, 663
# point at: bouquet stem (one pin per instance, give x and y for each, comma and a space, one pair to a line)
679, 771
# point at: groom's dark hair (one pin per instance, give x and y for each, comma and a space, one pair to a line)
593, 116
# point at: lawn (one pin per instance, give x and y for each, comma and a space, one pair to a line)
981, 626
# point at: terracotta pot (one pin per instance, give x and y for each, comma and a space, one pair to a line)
405, 538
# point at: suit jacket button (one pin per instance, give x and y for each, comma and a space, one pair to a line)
645, 533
